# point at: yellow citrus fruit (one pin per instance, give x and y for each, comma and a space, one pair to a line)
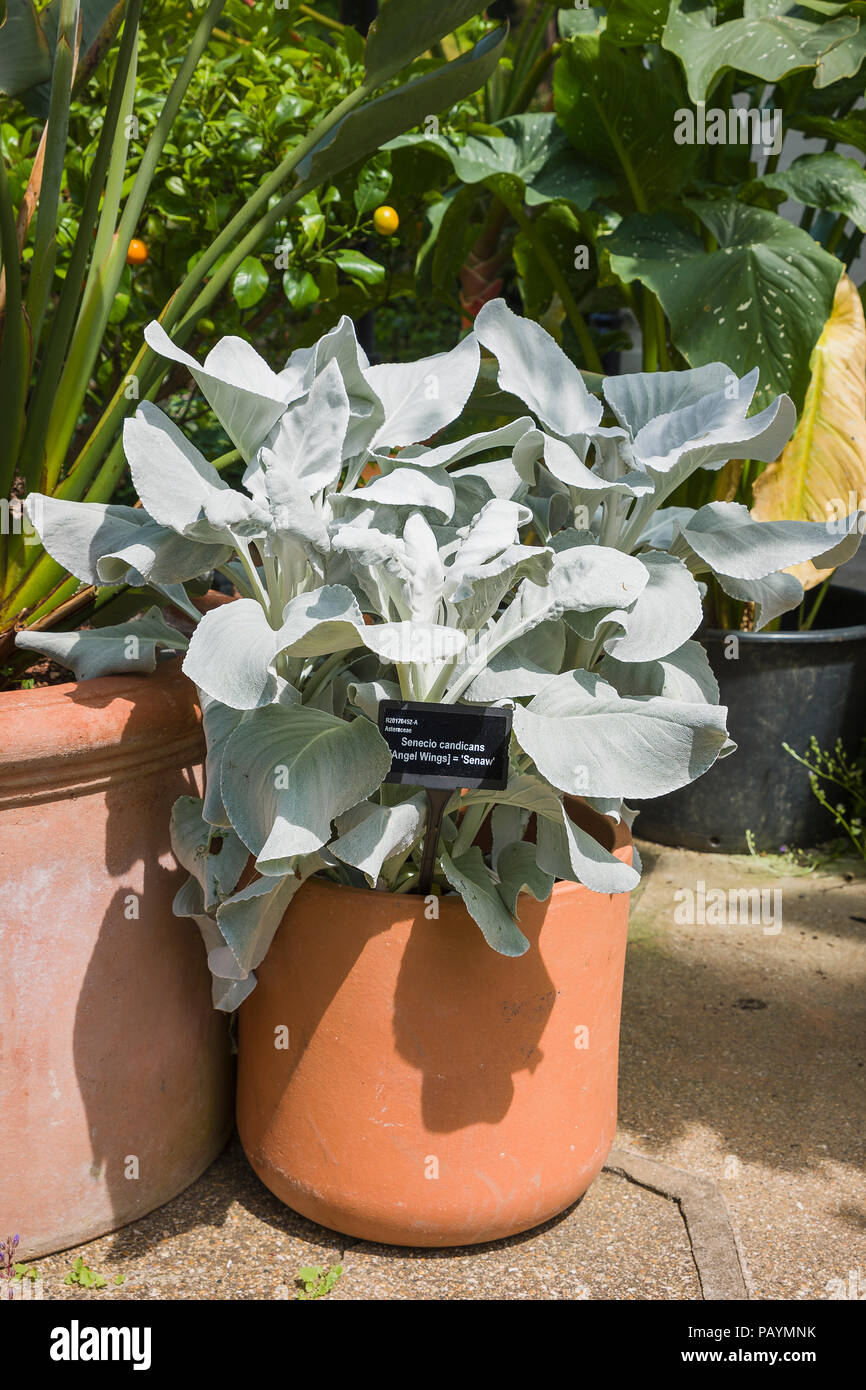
137, 253
385, 220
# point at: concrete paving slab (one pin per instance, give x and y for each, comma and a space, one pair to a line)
742, 1059
620, 1242
227, 1237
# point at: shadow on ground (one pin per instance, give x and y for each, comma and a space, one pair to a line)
756, 1037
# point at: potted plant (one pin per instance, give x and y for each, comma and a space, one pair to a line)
398, 1078
790, 677
126, 1098
669, 208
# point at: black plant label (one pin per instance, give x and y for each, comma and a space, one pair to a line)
446, 746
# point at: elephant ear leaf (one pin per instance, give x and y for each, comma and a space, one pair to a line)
766, 42
760, 299
620, 109
822, 470
828, 180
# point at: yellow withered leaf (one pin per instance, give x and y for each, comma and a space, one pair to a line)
821, 473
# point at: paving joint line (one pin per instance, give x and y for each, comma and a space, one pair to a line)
713, 1240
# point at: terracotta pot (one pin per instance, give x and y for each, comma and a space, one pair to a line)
432, 1092
114, 1068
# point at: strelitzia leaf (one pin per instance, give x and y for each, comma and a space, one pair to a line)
402, 31
370, 125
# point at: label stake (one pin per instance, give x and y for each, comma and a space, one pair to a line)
437, 800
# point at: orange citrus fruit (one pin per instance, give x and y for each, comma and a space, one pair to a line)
385, 220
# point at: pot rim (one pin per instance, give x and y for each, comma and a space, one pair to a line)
82, 737
620, 844
855, 632
411, 902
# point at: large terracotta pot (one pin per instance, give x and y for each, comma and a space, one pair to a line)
432, 1092
114, 1067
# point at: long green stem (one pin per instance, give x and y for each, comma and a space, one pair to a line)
531, 81
836, 235
473, 819
661, 336
180, 301
114, 181
323, 674
323, 19
527, 49
648, 327
819, 599
558, 281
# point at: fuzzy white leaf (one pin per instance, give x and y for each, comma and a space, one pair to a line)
288, 771
586, 738
119, 649
537, 371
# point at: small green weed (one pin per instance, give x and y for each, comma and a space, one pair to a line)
317, 1281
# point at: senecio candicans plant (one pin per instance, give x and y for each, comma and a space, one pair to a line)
533, 565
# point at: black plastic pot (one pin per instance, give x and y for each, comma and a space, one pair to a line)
782, 687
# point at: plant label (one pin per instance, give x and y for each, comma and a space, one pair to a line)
446, 746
